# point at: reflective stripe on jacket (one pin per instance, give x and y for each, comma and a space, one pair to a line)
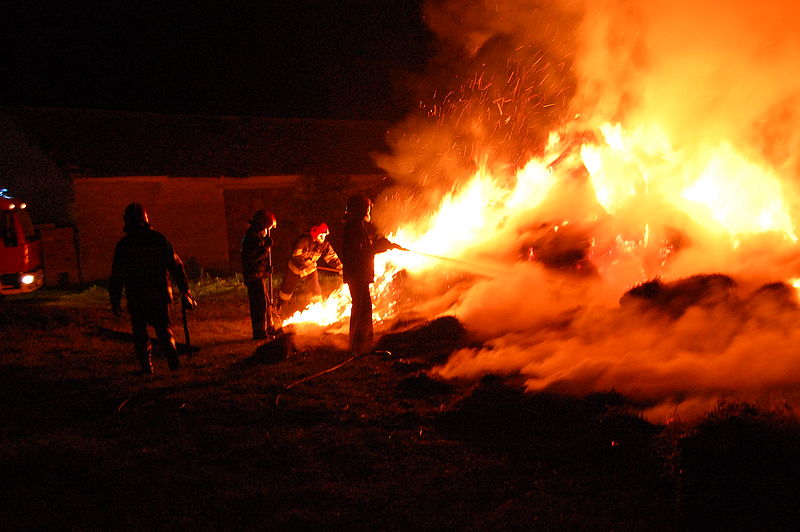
307, 251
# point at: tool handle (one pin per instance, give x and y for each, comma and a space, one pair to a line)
186, 337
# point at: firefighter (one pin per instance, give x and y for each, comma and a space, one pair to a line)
361, 244
256, 254
143, 265
308, 249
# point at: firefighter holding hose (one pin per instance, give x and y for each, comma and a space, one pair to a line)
309, 248
361, 243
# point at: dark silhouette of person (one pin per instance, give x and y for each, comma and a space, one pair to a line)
361, 243
256, 270
144, 267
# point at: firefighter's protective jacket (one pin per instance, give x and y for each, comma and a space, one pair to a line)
144, 261
361, 243
307, 251
255, 254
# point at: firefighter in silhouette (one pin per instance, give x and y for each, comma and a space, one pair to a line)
361, 243
257, 271
144, 266
308, 249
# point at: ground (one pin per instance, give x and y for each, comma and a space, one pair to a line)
227, 442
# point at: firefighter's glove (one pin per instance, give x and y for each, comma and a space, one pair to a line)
188, 301
116, 310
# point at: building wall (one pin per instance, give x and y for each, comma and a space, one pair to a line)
206, 217
189, 211
298, 202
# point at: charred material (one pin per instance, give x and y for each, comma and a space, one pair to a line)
600, 427
675, 297
775, 296
273, 351
432, 341
565, 248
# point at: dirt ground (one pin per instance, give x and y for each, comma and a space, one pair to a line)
88, 444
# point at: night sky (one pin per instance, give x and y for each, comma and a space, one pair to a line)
284, 58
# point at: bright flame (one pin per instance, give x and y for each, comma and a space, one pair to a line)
466, 219
740, 196
724, 191
719, 186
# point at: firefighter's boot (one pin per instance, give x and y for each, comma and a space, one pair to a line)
145, 358
172, 354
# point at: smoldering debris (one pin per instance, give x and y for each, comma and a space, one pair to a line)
673, 298
430, 343
564, 249
501, 413
271, 352
775, 296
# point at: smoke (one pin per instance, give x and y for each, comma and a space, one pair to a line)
700, 69
705, 75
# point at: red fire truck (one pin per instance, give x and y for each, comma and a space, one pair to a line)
21, 268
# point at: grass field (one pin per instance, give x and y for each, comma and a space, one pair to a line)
378, 444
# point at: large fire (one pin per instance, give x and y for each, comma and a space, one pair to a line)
600, 145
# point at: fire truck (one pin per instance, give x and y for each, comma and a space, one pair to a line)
21, 268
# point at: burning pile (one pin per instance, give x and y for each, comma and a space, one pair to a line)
586, 149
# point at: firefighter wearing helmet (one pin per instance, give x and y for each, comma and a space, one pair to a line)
309, 248
361, 243
143, 267
256, 253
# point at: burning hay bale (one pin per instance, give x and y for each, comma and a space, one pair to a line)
430, 343
564, 249
774, 296
675, 297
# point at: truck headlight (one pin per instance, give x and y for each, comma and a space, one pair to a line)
27, 278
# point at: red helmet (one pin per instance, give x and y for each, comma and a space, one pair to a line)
318, 229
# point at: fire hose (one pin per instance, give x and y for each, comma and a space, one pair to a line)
488, 271
329, 370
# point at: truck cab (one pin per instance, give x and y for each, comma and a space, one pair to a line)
21, 268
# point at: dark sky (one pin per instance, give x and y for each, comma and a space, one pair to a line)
280, 58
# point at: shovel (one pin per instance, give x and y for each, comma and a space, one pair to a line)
188, 348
